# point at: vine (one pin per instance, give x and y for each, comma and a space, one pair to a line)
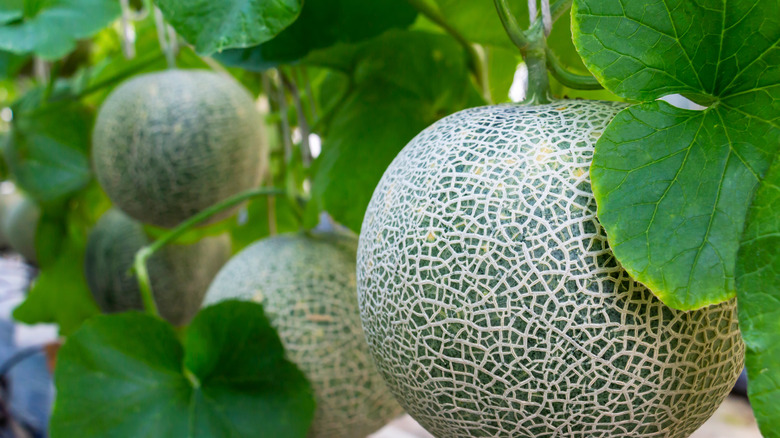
143, 255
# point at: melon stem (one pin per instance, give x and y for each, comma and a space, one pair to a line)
143, 254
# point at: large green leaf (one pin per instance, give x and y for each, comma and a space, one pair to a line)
46, 150
401, 82
672, 184
758, 295
49, 29
212, 26
127, 375
323, 23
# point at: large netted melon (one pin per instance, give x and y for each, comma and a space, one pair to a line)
166, 145
179, 273
20, 225
493, 306
306, 284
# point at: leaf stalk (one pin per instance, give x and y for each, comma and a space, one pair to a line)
143, 255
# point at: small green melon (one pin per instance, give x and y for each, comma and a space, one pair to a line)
179, 274
168, 144
306, 284
20, 226
7, 202
493, 306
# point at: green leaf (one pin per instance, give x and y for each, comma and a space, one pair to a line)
671, 184
401, 82
50, 29
758, 295
128, 375
501, 66
323, 23
60, 293
46, 150
213, 26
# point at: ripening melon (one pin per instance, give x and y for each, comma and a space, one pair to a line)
168, 144
306, 284
179, 274
493, 306
20, 225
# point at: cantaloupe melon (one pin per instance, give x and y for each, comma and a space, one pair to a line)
493, 306
20, 226
306, 284
179, 274
166, 145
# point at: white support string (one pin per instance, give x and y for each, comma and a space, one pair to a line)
546, 17
532, 11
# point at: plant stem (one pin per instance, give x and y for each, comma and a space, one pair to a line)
147, 251
570, 79
511, 26
533, 48
120, 76
303, 124
559, 8
474, 61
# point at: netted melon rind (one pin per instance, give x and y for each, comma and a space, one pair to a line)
493, 306
168, 144
306, 284
179, 274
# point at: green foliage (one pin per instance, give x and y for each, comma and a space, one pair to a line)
49, 29
670, 183
399, 83
758, 294
46, 149
129, 375
213, 26
323, 23
60, 293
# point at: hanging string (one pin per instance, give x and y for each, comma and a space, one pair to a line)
546, 17
128, 39
532, 11
166, 45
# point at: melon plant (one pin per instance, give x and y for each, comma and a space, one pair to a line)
493, 305
179, 273
168, 144
306, 284
20, 225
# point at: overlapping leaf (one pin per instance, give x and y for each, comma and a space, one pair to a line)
46, 149
673, 185
758, 294
128, 375
399, 84
50, 29
323, 23
213, 26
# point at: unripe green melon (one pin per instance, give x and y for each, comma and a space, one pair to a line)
179, 274
168, 144
20, 225
306, 284
7, 202
493, 306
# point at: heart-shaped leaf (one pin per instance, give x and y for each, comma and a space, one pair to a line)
128, 375
673, 185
